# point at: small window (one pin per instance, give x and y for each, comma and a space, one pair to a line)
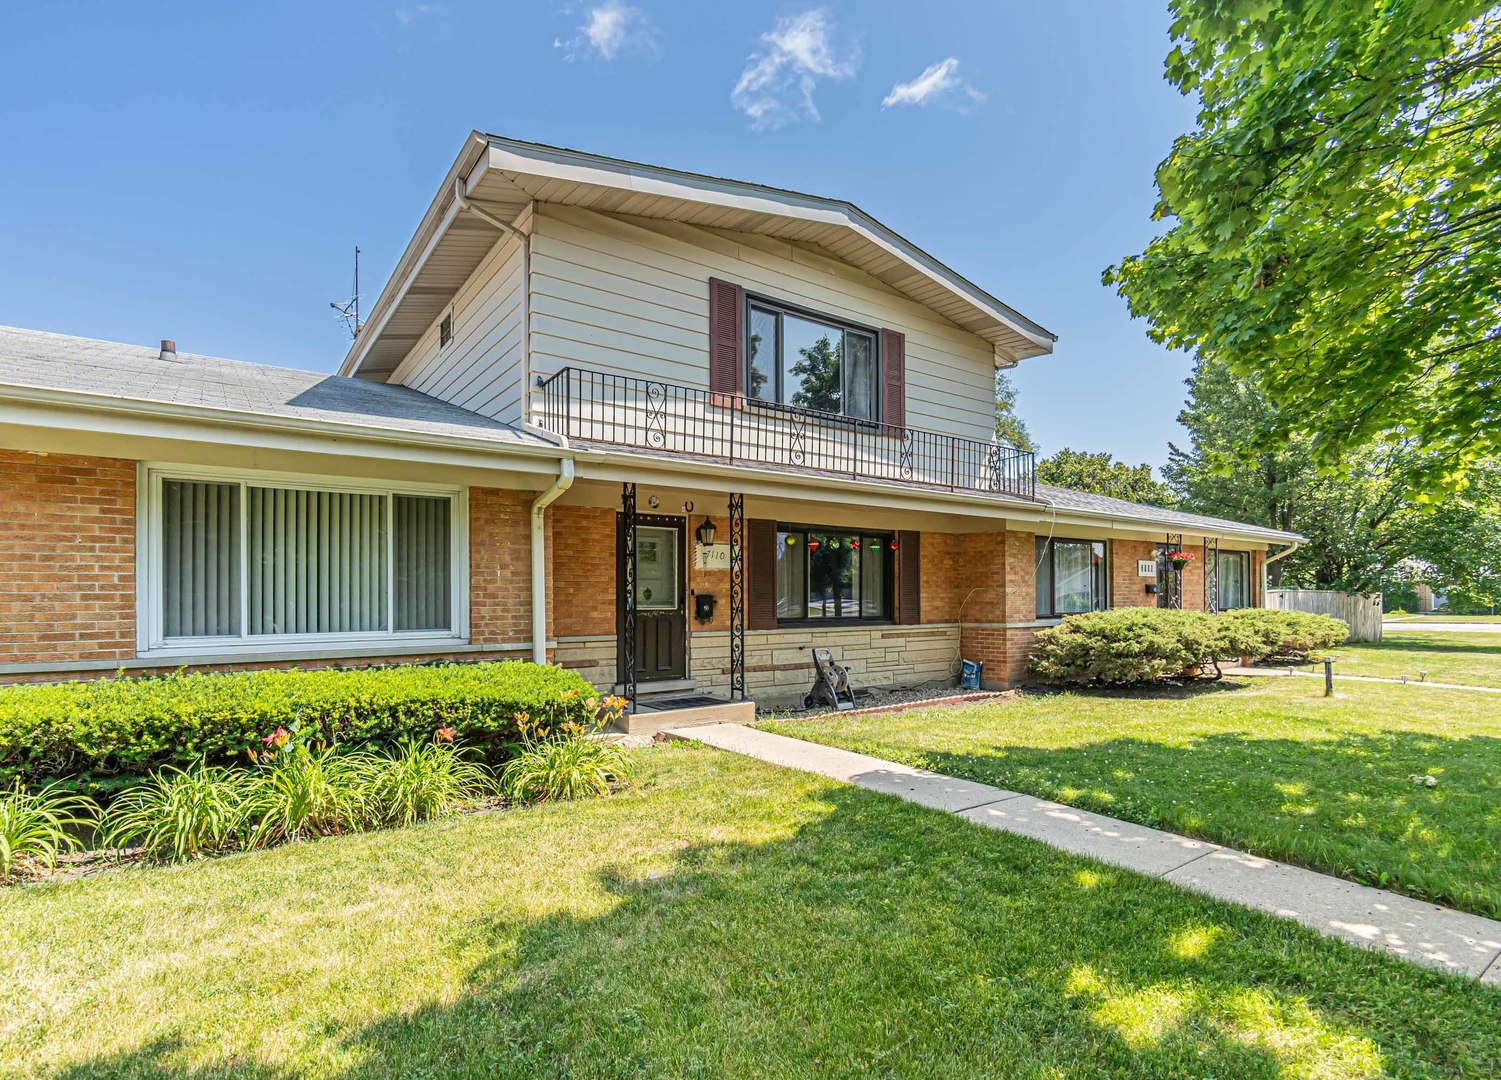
810, 362
825, 574
445, 331
1234, 574
1071, 577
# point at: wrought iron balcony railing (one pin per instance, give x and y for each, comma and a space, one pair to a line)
621, 410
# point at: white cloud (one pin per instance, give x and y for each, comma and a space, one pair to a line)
609, 30
777, 84
940, 84
408, 15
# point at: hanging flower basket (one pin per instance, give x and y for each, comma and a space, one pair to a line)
1179, 559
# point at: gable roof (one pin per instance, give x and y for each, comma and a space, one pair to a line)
505, 175
114, 371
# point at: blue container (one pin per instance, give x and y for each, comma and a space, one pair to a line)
969, 677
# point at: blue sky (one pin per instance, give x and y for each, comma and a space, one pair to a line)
202, 171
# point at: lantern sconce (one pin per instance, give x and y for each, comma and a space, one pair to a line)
705, 532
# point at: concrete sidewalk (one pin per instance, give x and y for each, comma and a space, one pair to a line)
1411, 929
1283, 673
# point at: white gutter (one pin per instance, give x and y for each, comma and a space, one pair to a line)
539, 558
1292, 547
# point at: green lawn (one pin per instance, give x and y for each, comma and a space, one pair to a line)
1444, 618
1471, 659
725, 919
1271, 767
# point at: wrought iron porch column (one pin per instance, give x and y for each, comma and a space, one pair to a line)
737, 597
1212, 576
628, 598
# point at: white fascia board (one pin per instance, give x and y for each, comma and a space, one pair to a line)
509, 156
680, 472
63, 410
435, 222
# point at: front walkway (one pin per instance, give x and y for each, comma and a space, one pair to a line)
1411, 929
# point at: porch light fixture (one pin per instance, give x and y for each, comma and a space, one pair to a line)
705, 532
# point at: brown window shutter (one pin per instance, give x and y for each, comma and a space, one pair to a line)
909, 578
726, 337
761, 574
894, 378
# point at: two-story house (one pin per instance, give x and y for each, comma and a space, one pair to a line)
668, 429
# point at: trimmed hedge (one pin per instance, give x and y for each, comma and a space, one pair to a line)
105, 733
1263, 634
1134, 645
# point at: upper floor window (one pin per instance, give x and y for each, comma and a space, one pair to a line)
810, 361
1070, 577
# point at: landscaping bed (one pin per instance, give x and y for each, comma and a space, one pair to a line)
723, 917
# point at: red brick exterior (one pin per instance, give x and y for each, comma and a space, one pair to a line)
500, 591
583, 571
67, 558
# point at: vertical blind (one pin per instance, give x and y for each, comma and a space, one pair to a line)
314, 561
200, 559
423, 576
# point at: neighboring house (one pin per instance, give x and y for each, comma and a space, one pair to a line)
768, 410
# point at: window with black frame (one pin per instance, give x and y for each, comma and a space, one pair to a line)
825, 574
1071, 577
809, 361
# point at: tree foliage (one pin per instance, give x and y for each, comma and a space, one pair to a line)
1336, 219
1101, 474
1365, 530
1010, 428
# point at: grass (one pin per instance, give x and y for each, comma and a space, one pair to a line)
1408, 618
1270, 767
726, 918
1469, 659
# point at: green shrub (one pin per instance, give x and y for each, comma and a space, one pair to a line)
1263, 634
1125, 645
36, 826
180, 814
564, 767
421, 780
106, 732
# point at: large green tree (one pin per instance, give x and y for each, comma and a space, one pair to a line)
1365, 530
1101, 474
1335, 219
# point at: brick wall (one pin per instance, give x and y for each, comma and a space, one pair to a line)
67, 558
500, 608
1126, 589
583, 570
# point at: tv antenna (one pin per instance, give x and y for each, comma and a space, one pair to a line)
349, 312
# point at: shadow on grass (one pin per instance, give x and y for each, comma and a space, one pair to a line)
881, 938
1421, 643
1356, 805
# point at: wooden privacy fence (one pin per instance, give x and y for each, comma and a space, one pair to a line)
1361, 611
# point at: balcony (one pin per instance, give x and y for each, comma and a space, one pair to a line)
595, 407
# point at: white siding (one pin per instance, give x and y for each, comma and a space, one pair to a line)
630, 296
484, 367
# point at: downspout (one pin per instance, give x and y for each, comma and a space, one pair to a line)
539, 558
1292, 547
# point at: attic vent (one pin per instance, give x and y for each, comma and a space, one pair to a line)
169, 349
445, 330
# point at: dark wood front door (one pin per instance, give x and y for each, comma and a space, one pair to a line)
661, 598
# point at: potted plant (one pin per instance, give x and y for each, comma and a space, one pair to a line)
1179, 559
